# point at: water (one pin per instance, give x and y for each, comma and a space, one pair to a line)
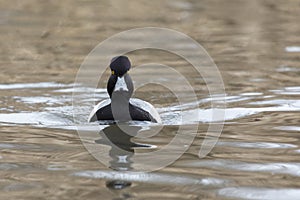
257, 155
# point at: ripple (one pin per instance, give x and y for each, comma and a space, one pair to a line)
30, 147
257, 80
6, 146
204, 115
151, 178
21, 186
281, 168
34, 118
216, 115
255, 193
182, 5
297, 151
287, 69
251, 94
292, 49
56, 114
8, 166
228, 99
41, 99
262, 145
62, 116
82, 90
275, 102
59, 167
295, 90
33, 85
288, 128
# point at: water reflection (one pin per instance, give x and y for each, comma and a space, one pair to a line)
118, 137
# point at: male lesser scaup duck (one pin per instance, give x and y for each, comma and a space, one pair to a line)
120, 106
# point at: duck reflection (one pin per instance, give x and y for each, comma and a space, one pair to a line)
118, 137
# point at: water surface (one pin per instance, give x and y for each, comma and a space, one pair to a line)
256, 47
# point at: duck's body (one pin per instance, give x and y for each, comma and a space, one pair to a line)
120, 106
140, 111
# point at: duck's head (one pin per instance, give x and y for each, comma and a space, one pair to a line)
120, 81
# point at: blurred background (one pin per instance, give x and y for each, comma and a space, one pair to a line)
49, 40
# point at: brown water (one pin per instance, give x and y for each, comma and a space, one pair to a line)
256, 46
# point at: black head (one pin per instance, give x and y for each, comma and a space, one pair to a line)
120, 80
120, 65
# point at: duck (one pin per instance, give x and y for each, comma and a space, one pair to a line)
120, 106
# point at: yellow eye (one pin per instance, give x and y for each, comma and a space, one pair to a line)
112, 72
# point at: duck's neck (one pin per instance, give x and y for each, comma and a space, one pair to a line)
120, 106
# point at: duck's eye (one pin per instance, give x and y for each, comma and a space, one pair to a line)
112, 72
